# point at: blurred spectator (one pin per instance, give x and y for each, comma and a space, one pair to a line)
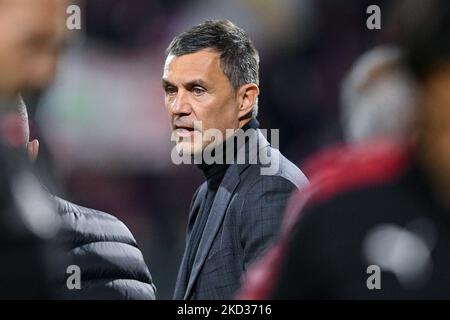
378, 97
31, 33
378, 100
111, 264
376, 224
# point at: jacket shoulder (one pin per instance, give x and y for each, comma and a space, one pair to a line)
89, 225
275, 166
291, 172
110, 261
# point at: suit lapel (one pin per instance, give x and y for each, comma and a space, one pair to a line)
215, 219
218, 209
182, 278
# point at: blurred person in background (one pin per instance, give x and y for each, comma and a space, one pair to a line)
211, 75
111, 264
32, 264
376, 225
32, 34
378, 102
378, 97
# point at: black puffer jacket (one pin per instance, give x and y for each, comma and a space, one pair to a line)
111, 264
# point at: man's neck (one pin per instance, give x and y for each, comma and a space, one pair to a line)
214, 167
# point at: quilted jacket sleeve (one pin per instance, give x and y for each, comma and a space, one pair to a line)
111, 264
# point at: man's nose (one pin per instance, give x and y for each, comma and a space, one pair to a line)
181, 103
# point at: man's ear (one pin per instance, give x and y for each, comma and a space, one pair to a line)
33, 149
248, 94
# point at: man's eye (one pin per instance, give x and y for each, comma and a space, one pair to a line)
198, 91
171, 90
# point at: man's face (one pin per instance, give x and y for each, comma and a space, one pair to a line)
196, 89
31, 35
435, 125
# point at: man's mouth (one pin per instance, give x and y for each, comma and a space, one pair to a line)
184, 131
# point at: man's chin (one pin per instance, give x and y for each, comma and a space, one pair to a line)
188, 149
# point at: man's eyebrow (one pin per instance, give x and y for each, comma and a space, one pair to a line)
189, 84
166, 82
195, 82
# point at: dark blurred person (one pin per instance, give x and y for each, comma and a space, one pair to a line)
377, 225
378, 101
211, 76
111, 264
378, 97
104, 250
31, 36
32, 265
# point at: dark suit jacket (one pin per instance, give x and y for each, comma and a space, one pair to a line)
244, 219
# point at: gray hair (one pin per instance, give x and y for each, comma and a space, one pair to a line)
378, 96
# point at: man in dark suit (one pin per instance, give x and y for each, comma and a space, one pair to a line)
211, 89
